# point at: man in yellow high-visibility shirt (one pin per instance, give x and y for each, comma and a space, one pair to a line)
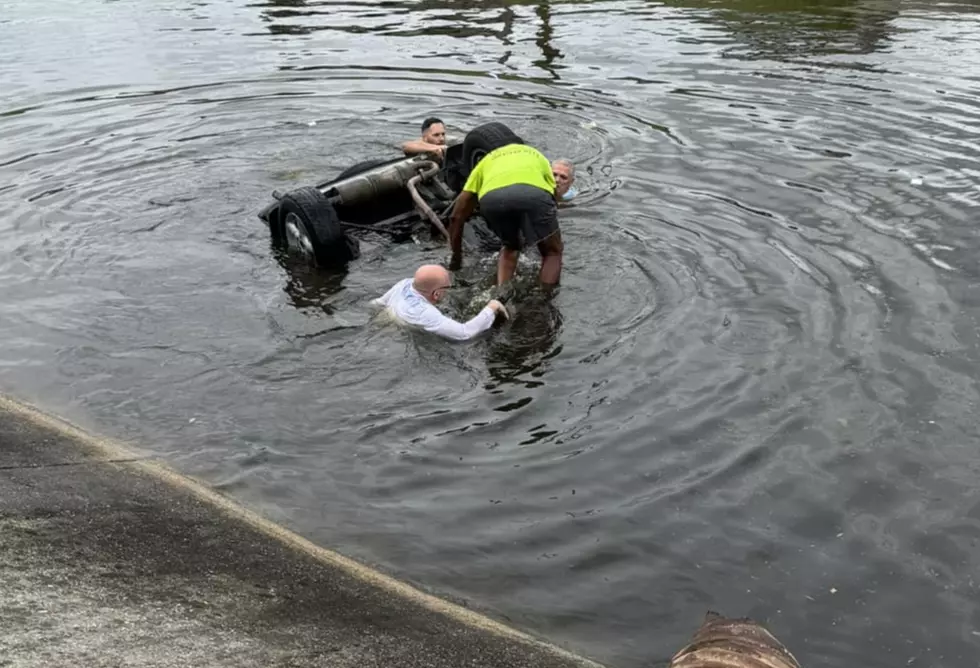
515, 188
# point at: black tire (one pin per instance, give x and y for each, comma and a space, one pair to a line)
308, 208
454, 173
485, 138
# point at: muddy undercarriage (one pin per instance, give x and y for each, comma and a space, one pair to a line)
401, 198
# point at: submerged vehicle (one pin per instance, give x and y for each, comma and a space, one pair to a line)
402, 198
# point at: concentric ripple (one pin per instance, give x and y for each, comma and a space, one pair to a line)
754, 391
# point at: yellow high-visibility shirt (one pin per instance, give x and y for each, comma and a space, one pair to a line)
507, 165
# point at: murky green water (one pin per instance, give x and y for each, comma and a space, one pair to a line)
756, 391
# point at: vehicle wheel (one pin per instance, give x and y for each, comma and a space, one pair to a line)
485, 138
454, 173
308, 225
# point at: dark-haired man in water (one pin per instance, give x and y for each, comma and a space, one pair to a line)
433, 139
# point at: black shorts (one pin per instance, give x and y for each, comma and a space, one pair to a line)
520, 214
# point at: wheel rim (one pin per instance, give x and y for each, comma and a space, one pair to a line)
477, 156
296, 237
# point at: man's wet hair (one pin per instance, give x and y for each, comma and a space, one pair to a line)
431, 120
568, 163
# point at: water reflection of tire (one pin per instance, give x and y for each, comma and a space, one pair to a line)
308, 225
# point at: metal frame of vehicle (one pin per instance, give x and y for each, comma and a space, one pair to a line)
399, 197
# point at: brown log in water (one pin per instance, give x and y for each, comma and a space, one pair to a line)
722, 642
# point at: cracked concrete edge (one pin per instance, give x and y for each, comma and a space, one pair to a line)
118, 454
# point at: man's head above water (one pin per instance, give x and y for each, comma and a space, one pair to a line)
434, 131
564, 173
432, 141
431, 281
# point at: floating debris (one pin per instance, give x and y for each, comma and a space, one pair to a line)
723, 642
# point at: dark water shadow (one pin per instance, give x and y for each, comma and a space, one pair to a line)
788, 29
306, 286
306, 17
519, 352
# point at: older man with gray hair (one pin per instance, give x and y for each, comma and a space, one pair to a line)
564, 172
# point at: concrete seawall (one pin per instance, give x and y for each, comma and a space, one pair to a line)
107, 559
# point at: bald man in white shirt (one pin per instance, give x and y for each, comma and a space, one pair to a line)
412, 301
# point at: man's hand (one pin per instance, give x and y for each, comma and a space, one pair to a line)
418, 146
498, 308
438, 151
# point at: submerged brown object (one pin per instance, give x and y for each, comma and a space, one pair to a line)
722, 642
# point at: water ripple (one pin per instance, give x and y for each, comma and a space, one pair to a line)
755, 390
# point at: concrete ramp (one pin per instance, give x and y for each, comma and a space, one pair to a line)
107, 559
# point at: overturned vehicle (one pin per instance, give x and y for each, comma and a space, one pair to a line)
402, 198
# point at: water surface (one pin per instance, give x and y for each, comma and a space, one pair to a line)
755, 392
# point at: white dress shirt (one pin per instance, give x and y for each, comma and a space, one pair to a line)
406, 304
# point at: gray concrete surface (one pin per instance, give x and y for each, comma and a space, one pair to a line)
106, 562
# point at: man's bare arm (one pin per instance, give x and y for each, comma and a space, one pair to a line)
416, 146
462, 210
